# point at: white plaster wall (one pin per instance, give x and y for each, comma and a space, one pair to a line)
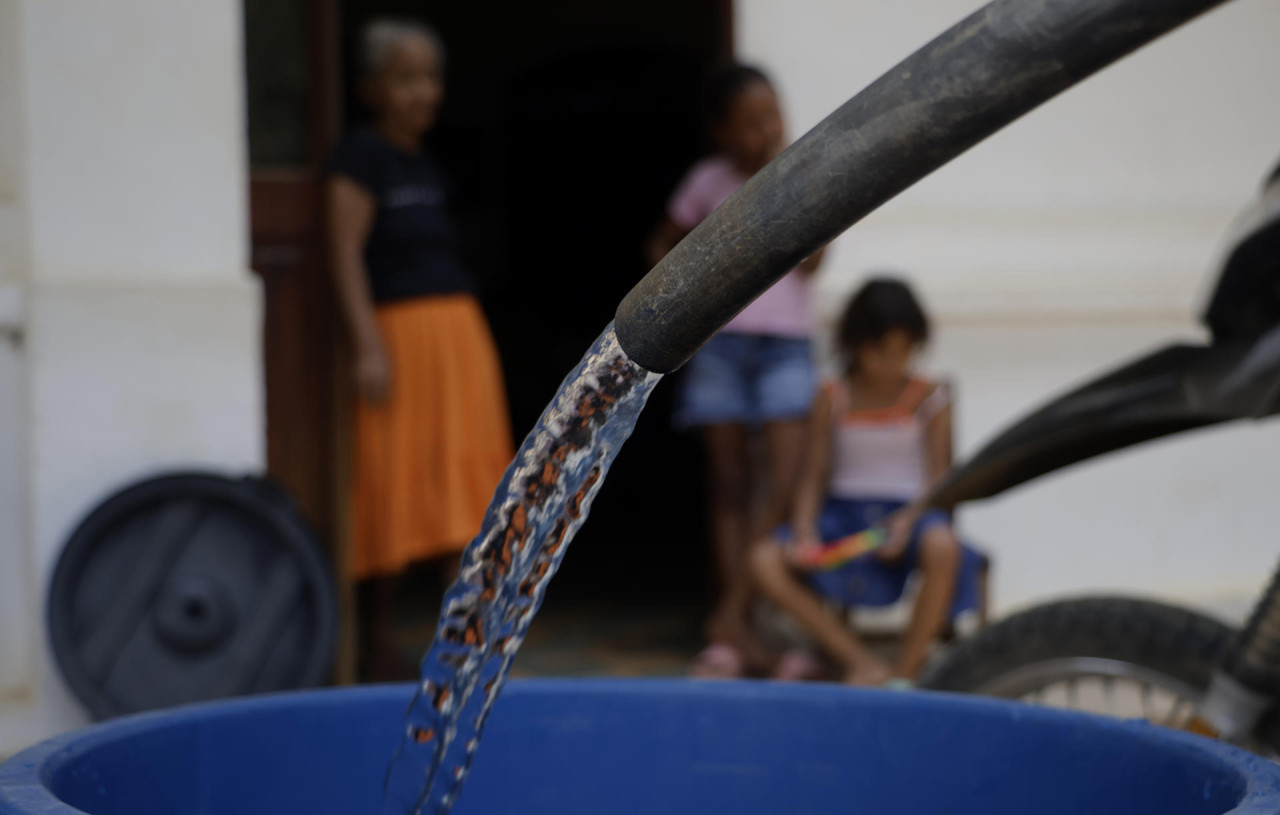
138, 171
1188, 519
15, 622
17, 626
1076, 238
123, 133
12, 173
126, 380
1125, 181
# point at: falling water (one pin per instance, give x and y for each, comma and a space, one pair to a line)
541, 502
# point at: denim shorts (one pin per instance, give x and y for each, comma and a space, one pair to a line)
747, 379
870, 581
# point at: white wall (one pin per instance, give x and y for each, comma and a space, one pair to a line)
12, 216
1077, 237
138, 172
16, 624
17, 627
1190, 518
1125, 181
124, 167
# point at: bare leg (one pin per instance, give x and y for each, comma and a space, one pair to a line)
781, 585
729, 476
939, 563
785, 444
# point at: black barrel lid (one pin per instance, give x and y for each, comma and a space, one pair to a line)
190, 587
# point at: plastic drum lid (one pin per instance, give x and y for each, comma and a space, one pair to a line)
190, 587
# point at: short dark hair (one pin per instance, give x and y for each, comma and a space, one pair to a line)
724, 86
882, 305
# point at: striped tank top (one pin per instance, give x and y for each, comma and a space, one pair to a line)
880, 453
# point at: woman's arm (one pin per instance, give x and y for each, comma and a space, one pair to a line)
812, 487
664, 238
350, 218
810, 264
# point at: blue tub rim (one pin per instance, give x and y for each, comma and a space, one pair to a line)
25, 777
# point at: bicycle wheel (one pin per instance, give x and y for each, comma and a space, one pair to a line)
1110, 655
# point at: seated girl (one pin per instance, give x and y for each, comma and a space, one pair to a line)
879, 438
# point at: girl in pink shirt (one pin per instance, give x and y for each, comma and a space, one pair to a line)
756, 375
880, 438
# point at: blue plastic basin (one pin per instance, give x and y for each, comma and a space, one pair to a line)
600, 747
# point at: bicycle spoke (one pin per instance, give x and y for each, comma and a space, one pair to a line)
1108, 687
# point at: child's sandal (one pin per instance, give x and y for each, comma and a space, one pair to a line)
718, 660
798, 666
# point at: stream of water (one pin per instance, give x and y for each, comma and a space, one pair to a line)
541, 502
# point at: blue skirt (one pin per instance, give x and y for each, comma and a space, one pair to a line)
870, 581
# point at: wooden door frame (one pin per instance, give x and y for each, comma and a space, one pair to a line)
307, 400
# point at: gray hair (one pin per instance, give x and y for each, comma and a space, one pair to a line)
380, 37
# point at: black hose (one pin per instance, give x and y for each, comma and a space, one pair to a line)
988, 70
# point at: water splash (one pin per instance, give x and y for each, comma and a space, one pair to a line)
541, 502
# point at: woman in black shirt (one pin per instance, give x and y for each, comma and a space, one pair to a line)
432, 436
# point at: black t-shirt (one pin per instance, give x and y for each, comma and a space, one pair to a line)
412, 248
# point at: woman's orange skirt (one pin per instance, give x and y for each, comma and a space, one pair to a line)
427, 460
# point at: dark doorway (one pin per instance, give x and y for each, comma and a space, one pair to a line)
565, 127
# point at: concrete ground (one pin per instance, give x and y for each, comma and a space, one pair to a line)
623, 640
591, 642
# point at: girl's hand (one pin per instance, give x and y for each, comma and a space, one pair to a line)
373, 374
900, 525
805, 548
807, 535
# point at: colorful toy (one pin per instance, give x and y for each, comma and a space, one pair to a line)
828, 556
